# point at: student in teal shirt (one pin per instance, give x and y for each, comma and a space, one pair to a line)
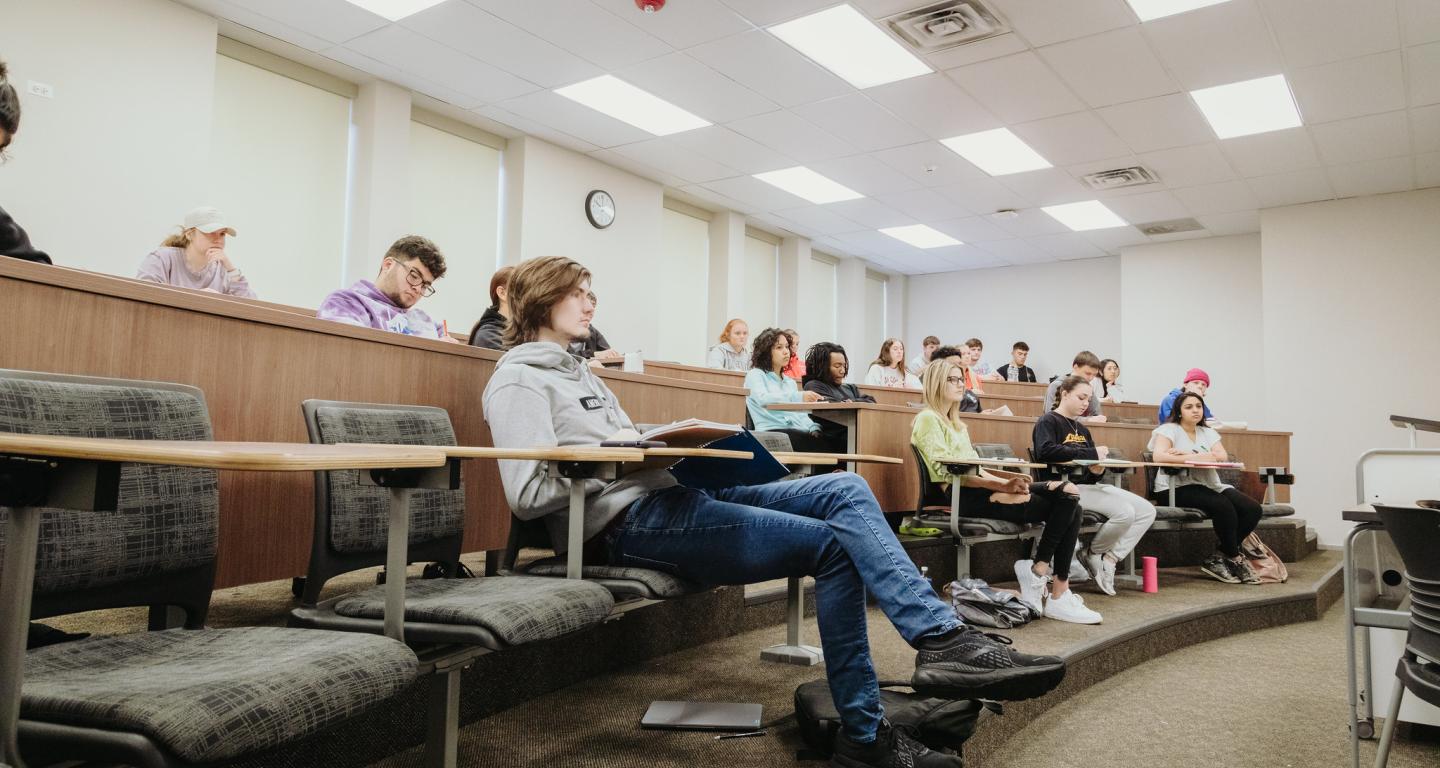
771, 353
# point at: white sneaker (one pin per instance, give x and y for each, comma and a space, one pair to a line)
1069, 607
1032, 587
1104, 571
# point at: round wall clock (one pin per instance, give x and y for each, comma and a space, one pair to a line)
600, 208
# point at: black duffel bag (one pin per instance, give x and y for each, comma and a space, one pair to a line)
940, 724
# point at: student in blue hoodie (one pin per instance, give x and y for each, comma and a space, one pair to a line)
828, 526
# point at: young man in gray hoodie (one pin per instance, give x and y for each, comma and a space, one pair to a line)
830, 527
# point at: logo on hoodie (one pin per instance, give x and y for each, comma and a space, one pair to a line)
592, 403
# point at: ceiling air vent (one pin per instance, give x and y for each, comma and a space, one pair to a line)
1169, 227
1121, 177
938, 26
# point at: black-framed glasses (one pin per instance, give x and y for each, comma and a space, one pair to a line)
417, 280
956, 380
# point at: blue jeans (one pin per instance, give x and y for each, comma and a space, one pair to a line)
829, 527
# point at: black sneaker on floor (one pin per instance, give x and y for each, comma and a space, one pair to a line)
1218, 568
980, 665
892, 748
1241, 570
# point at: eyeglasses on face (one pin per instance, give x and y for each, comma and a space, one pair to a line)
956, 380
417, 280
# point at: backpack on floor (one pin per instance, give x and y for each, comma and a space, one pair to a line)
979, 604
940, 724
1263, 560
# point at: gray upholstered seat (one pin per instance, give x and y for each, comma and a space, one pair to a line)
1276, 510
1178, 514
215, 694
619, 579
516, 610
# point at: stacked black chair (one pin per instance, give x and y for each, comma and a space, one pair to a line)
1415, 531
176, 697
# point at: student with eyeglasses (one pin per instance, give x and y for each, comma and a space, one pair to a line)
407, 273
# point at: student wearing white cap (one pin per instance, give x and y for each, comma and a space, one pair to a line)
196, 258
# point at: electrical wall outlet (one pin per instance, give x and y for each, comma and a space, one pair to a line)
43, 90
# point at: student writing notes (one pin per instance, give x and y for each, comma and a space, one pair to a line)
407, 274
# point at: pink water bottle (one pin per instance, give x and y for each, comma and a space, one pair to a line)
1149, 574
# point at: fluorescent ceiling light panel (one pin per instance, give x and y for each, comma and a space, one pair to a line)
1090, 214
997, 152
921, 236
614, 97
803, 182
395, 10
843, 41
1250, 106
1159, 9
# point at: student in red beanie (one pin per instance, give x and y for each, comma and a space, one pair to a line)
1197, 381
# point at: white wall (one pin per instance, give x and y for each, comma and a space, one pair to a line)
875, 327
685, 263
1059, 309
1194, 304
758, 307
455, 201
104, 170
622, 257
1350, 335
282, 190
817, 302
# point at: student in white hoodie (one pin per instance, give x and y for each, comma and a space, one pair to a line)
829, 526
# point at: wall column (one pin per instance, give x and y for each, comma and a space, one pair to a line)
380, 186
727, 269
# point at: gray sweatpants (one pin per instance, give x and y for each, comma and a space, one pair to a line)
1127, 518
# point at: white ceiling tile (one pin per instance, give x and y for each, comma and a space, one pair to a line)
1225, 197
252, 22
1425, 128
1422, 66
865, 175
1159, 123
1110, 68
779, 226
1113, 239
582, 28
1149, 207
980, 50
879, 9
637, 167
871, 213
401, 78
1266, 154
1235, 223
983, 196
663, 153
926, 263
1349, 88
539, 130
930, 164
875, 242
972, 229
1292, 188
792, 136
1189, 166
1224, 43
1016, 252
1067, 246
682, 24
333, 20
718, 200
730, 148
764, 197
1047, 186
1070, 139
1373, 177
497, 42
766, 12
966, 257
769, 67
861, 122
694, 87
1363, 138
579, 121
821, 219
1043, 23
1029, 222
924, 205
1017, 88
935, 105
1427, 170
1320, 31
414, 53
1419, 21
1196, 234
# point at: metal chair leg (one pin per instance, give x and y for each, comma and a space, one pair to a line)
1387, 734
794, 650
442, 737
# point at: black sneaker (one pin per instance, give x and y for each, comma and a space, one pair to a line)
1241, 570
1218, 568
892, 748
980, 665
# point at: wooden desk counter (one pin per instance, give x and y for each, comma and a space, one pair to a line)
695, 373
256, 362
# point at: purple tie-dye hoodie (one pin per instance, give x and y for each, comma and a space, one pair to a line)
363, 304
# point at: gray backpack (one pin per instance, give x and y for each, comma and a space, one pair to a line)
979, 604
